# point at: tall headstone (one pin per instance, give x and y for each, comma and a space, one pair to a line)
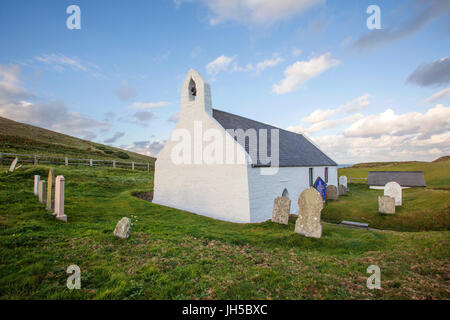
59, 198
310, 206
36, 184
13, 165
281, 210
343, 181
332, 192
50, 189
394, 190
42, 191
386, 205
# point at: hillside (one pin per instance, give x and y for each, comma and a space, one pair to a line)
16, 137
437, 172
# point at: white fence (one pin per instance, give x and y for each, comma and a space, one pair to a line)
6, 158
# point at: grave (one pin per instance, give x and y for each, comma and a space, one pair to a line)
342, 190
122, 229
13, 165
281, 210
394, 190
50, 189
343, 181
332, 193
42, 191
59, 198
36, 184
386, 205
310, 206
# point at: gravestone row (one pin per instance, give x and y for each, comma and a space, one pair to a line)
51, 192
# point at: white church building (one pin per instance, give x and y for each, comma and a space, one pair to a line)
239, 184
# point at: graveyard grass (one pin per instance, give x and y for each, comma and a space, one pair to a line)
173, 254
422, 209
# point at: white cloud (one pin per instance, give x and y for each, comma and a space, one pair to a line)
59, 62
219, 64
268, 63
148, 105
302, 71
115, 137
444, 93
52, 115
255, 11
149, 148
296, 52
320, 125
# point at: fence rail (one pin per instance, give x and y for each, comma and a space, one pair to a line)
6, 158
357, 180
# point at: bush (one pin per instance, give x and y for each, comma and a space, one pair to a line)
122, 155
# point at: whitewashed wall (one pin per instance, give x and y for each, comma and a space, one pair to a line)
263, 189
219, 190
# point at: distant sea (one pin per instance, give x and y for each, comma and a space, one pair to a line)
344, 165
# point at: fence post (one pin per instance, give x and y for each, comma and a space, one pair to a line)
90, 162
35, 159
148, 166
132, 165
114, 163
1, 159
66, 161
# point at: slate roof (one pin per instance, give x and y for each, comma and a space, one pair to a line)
294, 150
403, 178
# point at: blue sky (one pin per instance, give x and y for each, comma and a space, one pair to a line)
309, 66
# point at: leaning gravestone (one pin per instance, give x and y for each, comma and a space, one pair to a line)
394, 190
332, 192
386, 205
50, 190
13, 165
122, 229
281, 210
42, 191
342, 190
310, 205
343, 181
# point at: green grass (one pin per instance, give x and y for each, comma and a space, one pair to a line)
173, 254
16, 137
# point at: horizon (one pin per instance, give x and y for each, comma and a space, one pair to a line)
309, 66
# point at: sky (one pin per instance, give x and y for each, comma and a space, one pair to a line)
309, 66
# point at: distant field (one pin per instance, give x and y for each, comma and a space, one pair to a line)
16, 137
173, 254
422, 209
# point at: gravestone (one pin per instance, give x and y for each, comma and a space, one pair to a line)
50, 190
320, 186
343, 181
122, 229
59, 198
42, 191
386, 205
36, 184
342, 190
394, 190
13, 165
281, 210
332, 192
310, 206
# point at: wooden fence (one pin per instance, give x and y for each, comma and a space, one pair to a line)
6, 158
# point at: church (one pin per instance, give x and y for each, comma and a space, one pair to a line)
231, 168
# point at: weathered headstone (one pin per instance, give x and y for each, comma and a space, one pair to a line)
59, 198
13, 165
343, 181
36, 184
50, 190
394, 190
281, 210
342, 190
42, 191
332, 192
122, 229
310, 206
386, 205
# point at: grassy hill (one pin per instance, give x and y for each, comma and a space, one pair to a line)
16, 137
174, 254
